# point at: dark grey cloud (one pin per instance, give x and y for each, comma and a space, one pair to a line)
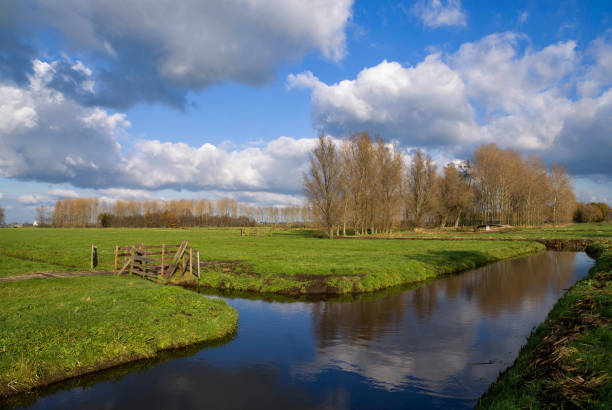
16, 52
120, 88
585, 143
157, 51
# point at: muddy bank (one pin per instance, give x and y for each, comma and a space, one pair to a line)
573, 245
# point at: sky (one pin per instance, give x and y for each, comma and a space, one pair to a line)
137, 99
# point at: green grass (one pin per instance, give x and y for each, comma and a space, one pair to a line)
9, 266
566, 361
287, 262
53, 329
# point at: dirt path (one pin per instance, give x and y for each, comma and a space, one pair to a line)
52, 275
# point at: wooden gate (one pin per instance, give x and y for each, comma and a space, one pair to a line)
157, 260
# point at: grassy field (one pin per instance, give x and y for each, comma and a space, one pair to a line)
566, 362
10, 266
601, 232
292, 262
57, 328
53, 329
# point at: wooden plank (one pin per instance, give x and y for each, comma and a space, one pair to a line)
132, 260
144, 274
116, 257
124, 266
157, 266
175, 259
154, 258
198, 261
143, 258
170, 246
159, 246
191, 261
162, 259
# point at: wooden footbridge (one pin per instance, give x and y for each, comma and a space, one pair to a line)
157, 260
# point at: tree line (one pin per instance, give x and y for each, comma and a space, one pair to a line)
363, 185
84, 212
592, 212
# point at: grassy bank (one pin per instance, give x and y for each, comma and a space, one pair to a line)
10, 266
53, 329
600, 232
289, 262
566, 361
368, 267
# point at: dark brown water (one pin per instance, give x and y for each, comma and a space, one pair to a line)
439, 345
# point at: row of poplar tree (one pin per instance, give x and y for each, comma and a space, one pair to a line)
82, 212
364, 185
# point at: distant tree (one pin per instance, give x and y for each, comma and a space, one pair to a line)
43, 215
2, 216
592, 213
389, 185
588, 213
454, 195
606, 211
420, 187
562, 196
105, 220
322, 182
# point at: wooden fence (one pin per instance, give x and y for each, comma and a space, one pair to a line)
156, 260
256, 231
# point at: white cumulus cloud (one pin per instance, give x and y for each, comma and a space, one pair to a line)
46, 136
63, 141
439, 13
497, 89
424, 104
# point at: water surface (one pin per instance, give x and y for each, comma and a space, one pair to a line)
439, 345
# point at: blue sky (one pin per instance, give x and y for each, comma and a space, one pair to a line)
131, 99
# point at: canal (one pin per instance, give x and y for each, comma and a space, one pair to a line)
437, 345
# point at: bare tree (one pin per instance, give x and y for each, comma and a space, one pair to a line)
390, 166
322, 183
2, 216
420, 180
454, 195
562, 199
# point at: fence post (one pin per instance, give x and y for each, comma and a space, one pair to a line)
191, 261
162, 261
132, 253
198, 260
116, 256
